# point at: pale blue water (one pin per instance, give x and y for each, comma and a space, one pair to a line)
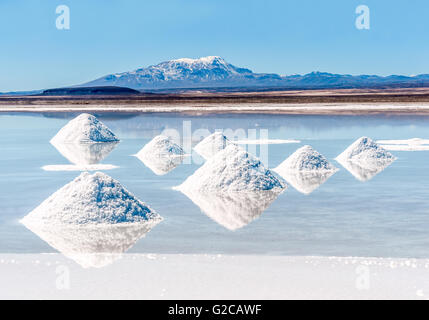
387, 216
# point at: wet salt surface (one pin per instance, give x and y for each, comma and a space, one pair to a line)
386, 216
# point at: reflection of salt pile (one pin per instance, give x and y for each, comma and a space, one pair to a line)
84, 141
306, 169
232, 170
93, 246
364, 159
232, 210
161, 155
91, 218
212, 144
85, 153
415, 144
84, 129
232, 187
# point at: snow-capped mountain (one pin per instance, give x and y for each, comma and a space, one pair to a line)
210, 71
215, 72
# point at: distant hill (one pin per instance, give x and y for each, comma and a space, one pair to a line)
215, 72
80, 91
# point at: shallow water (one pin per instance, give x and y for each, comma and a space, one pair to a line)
386, 216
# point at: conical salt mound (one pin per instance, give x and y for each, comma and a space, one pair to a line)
84, 129
91, 199
161, 155
232, 170
160, 146
305, 159
212, 144
364, 159
364, 150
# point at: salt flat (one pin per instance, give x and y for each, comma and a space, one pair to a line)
283, 108
176, 276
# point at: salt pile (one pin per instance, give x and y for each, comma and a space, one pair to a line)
306, 169
364, 159
305, 159
232, 170
92, 220
232, 210
161, 155
91, 199
84, 129
212, 144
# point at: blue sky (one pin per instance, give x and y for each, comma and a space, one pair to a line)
280, 36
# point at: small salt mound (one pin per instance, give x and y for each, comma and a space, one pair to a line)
211, 145
161, 146
84, 129
233, 211
364, 159
305, 159
232, 170
365, 151
91, 199
161, 155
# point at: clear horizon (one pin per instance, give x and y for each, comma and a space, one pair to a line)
283, 37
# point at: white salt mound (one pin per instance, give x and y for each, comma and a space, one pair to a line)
366, 152
305, 159
161, 155
161, 146
91, 199
84, 129
364, 159
212, 144
232, 170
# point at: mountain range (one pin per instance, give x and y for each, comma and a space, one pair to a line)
215, 72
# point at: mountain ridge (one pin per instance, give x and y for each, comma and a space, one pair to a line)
214, 71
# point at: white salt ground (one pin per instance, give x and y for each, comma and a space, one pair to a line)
232, 170
85, 128
415, 144
178, 276
91, 199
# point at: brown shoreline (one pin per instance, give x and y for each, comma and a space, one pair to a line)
379, 101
